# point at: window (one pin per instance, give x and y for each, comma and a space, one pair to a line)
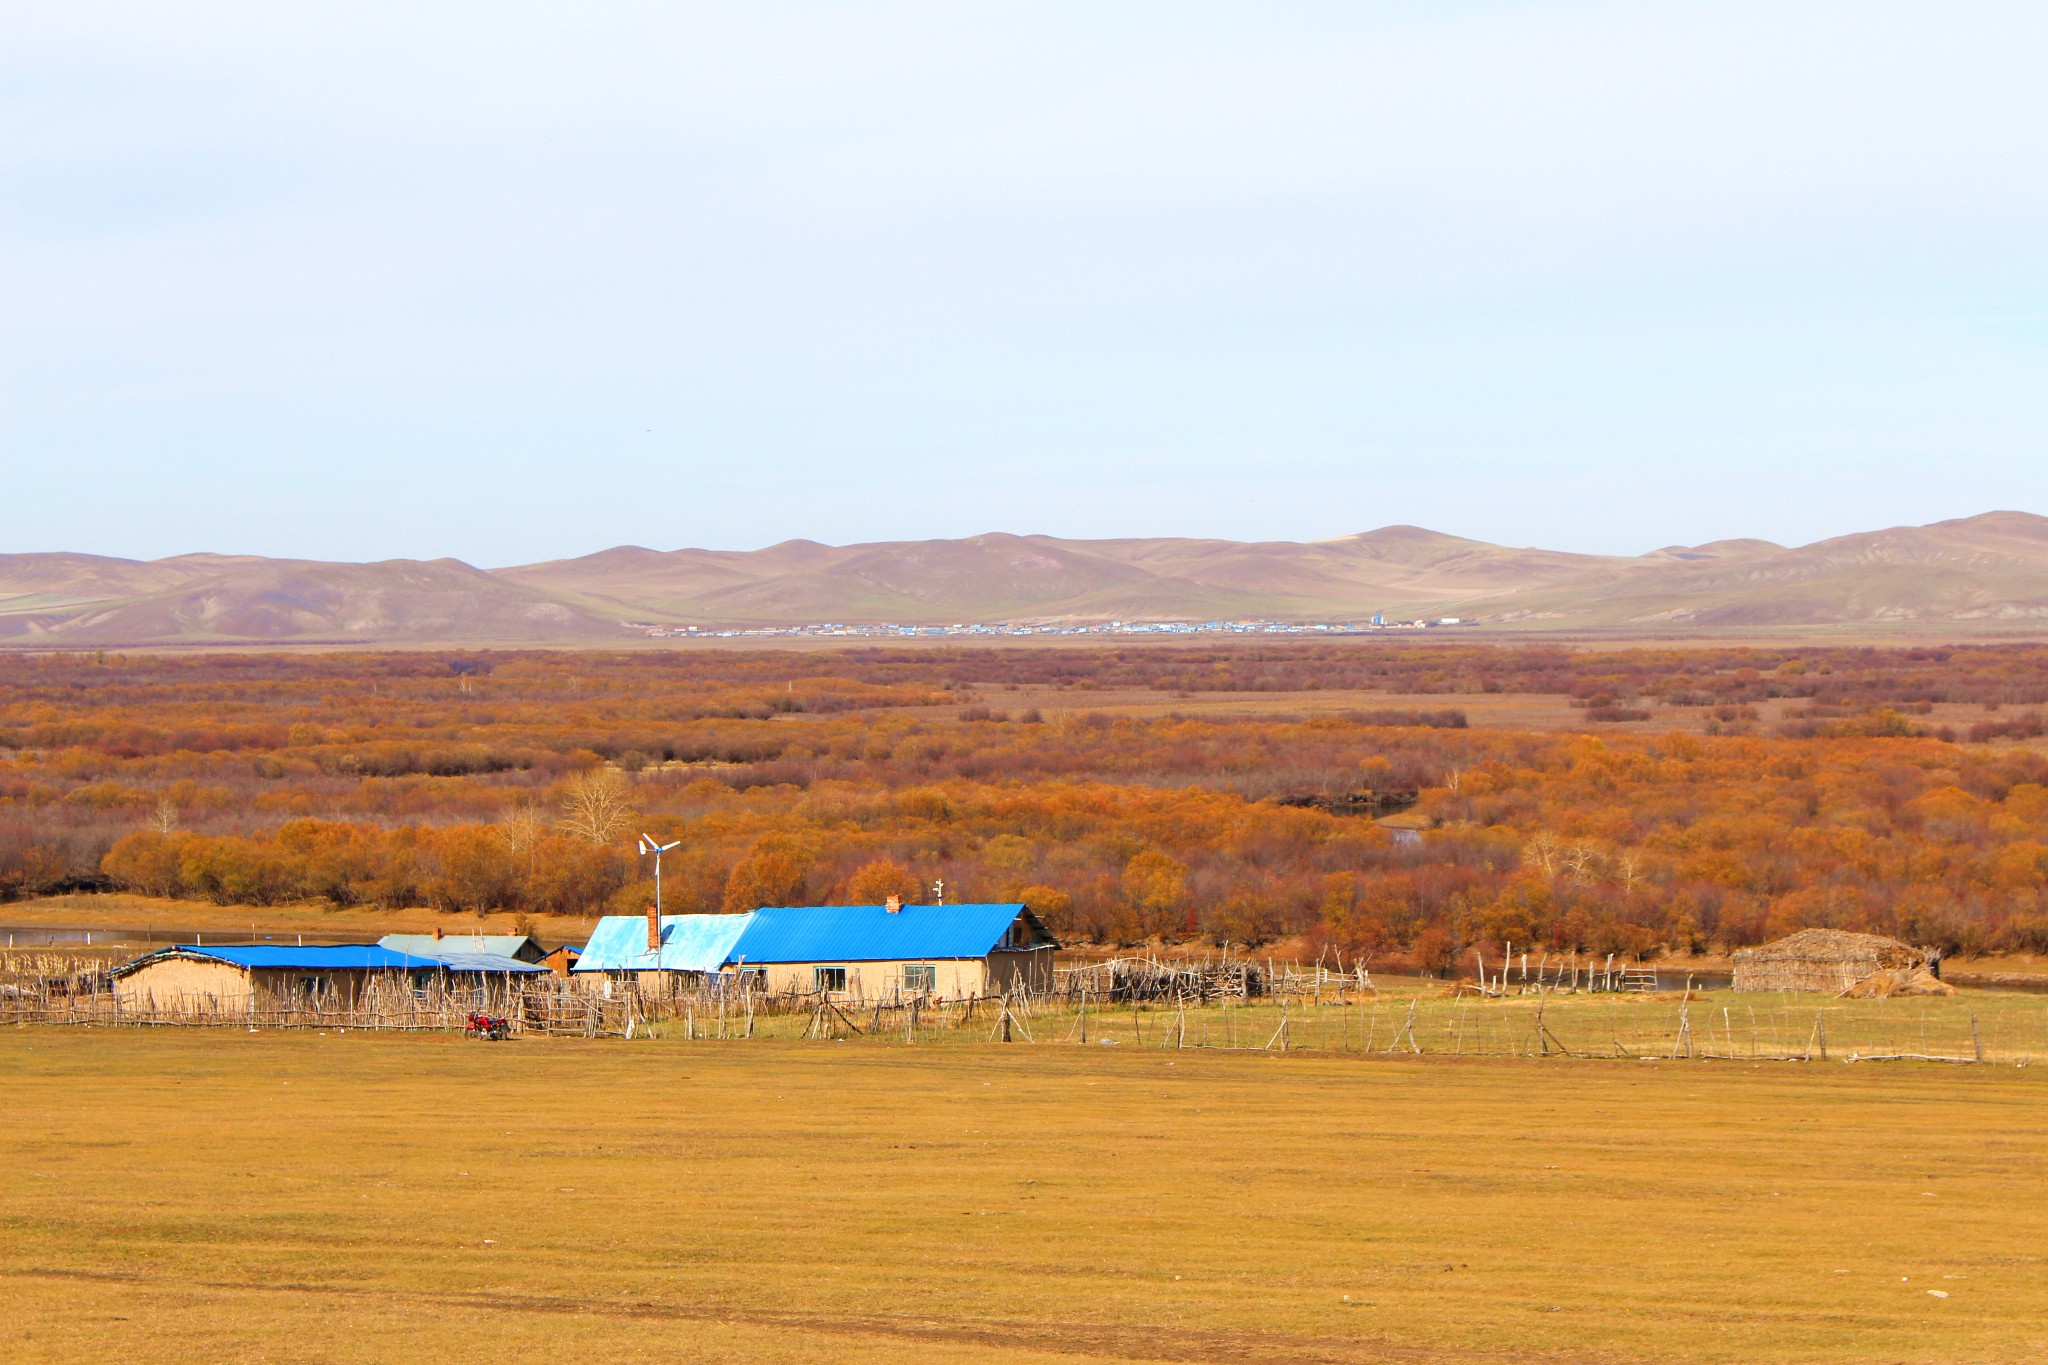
831, 979
921, 978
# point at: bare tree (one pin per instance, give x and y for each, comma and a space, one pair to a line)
164, 819
521, 828
596, 805
1581, 860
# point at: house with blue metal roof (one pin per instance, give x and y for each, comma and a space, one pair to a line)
896, 951
237, 975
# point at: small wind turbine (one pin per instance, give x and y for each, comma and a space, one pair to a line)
647, 846
939, 889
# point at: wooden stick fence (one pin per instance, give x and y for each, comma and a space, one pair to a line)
1228, 1004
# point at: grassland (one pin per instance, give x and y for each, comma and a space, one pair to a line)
1422, 1017
236, 1197
138, 919
1534, 712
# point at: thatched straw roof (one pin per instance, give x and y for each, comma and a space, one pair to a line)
1831, 960
1835, 945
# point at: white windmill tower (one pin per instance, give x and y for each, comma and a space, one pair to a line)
649, 845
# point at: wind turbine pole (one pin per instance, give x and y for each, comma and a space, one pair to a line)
648, 845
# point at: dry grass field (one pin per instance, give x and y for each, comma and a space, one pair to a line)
137, 919
1533, 712
229, 1196
1510, 710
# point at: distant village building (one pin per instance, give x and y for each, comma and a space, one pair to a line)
1837, 962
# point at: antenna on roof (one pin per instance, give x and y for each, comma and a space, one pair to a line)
939, 890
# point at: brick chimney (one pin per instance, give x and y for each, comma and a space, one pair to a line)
894, 905
653, 930
437, 933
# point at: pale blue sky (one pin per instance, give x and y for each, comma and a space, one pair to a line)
514, 281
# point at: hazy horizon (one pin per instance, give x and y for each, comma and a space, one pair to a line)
974, 535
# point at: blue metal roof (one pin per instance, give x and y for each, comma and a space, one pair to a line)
293, 957
872, 933
689, 943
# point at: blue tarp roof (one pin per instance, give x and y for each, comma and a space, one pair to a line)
689, 943
292, 957
870, 933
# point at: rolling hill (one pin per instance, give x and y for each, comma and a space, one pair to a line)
202, 599
1974, 571
1977, 575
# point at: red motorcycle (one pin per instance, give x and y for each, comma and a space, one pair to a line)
488, 1028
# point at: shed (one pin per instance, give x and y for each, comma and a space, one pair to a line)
1838, 962
524, 947
235, 976
869, 952
561, 961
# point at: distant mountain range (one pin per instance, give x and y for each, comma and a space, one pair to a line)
1978, 575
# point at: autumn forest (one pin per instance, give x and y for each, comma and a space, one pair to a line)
1377, 797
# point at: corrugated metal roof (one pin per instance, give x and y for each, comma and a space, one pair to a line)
490, 964
521, 946
870, 933
291, 957
689, 943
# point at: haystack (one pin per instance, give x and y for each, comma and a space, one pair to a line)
1899, 981
1833, 962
